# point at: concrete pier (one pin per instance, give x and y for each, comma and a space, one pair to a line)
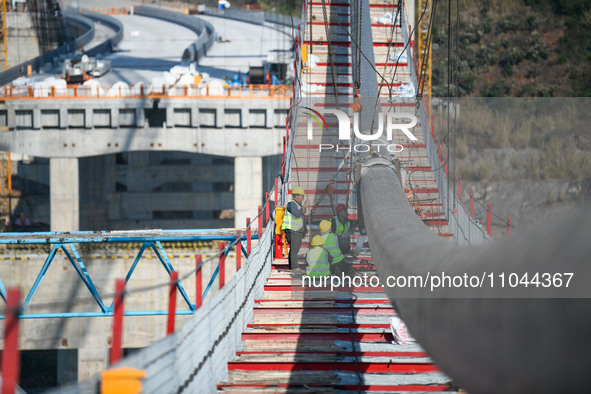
64, 194
248, 188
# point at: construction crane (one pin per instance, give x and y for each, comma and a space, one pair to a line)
49, 24
424, 46
5, 186
3, 38
5, 178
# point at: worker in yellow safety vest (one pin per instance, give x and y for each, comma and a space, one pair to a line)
341, 226
331, 245
318, 259
294, 226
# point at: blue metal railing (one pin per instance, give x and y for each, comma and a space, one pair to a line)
65, 241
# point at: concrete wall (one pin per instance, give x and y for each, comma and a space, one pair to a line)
21, 38
91, 127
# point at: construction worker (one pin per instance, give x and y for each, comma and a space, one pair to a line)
341, 226
331, 243
294, 226
318, 259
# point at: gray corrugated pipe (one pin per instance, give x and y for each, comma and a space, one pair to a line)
487, 342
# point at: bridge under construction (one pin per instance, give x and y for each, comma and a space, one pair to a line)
180, 310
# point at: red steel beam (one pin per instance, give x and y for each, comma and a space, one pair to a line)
342, 353
344, 325
373, 387
238, 250
344, 366
310, 311
172, 302
318, 336
198, 282
222, 265
11, 353
116, 350
248, 236
260, 221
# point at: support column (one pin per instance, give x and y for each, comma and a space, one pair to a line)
36, 118
63, 122
194, 117
115, 118
140, 118
64, 194
88, 118
10, 117
244, 118
270, 118
219, 117
91, 362
170, 116
248, 188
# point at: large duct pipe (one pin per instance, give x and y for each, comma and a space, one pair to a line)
487, 343
489, 340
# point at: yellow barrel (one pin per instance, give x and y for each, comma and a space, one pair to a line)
122, 381
279, 213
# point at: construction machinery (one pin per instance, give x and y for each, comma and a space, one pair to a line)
79, 71
274, 70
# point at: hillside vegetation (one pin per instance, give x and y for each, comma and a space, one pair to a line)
524, 138
527, 48
520, 48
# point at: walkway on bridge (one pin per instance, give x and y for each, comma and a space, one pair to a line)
319, 339
306, 338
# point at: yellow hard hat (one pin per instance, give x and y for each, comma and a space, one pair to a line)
325, 225
298, 190
317, 240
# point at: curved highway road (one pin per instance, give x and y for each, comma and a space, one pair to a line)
245, 44
101, 34
149, 47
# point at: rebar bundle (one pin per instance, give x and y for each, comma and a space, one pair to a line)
49, 23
